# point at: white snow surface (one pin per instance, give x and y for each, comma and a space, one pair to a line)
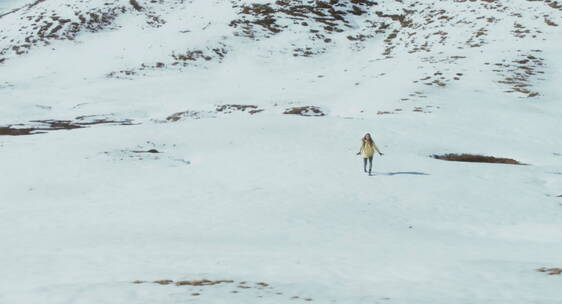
276, 198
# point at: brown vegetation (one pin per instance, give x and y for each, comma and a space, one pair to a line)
136, 5
550, 271
475, 158
163, 282
519, 73
179, 115
305, 111
43, 126
202, 282
549, 22
147, 151
224, 109
46, 25
332, 16
229, 108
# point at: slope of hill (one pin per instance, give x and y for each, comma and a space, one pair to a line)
147, 141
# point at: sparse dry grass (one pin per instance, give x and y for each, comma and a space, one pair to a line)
224, 109
550, 271
229, 108
202, 282
475, 158
136, 5
43, 126
549, 22
179, 115
519, 73
147, 151
305, 111
163, 282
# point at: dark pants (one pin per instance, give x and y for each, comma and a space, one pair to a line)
370, 159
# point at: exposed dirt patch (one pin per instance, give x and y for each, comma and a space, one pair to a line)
229, 108
147, 151
44, 25
520, 31
331, 15
228, 287
320, 20
44, 126
177, 60
219, 109
305, 111
550, 271
475, 158
185, 114
520, 73
549, 22
122, 74
40, 25
136, 5
202, 282
438, 78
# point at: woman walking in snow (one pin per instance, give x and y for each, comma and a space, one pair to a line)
367, 151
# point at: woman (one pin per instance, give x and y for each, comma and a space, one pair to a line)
367, 150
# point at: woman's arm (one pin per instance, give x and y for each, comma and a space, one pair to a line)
377, 149
360, 149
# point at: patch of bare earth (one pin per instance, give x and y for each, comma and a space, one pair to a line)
198, 287
305, 111
427, 109
219, 109
202, 282
520, 73
320, 19
229, 108
476, 158
185, 114
550, 271
39, 25
43, 26
177, 60
146, 151
43, 126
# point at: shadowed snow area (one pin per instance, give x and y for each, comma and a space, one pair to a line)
204, 151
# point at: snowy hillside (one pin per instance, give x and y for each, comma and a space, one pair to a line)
204, 151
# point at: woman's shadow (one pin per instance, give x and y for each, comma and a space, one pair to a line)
400, 173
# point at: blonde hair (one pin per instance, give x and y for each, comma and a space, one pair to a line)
364, 140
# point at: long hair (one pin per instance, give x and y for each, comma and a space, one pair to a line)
367, 139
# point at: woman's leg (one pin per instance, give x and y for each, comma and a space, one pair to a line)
365, 164
370, 164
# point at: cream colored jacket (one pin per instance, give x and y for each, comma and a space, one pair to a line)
368, 150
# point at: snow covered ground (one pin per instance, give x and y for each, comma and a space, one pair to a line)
278, 204
7, 5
